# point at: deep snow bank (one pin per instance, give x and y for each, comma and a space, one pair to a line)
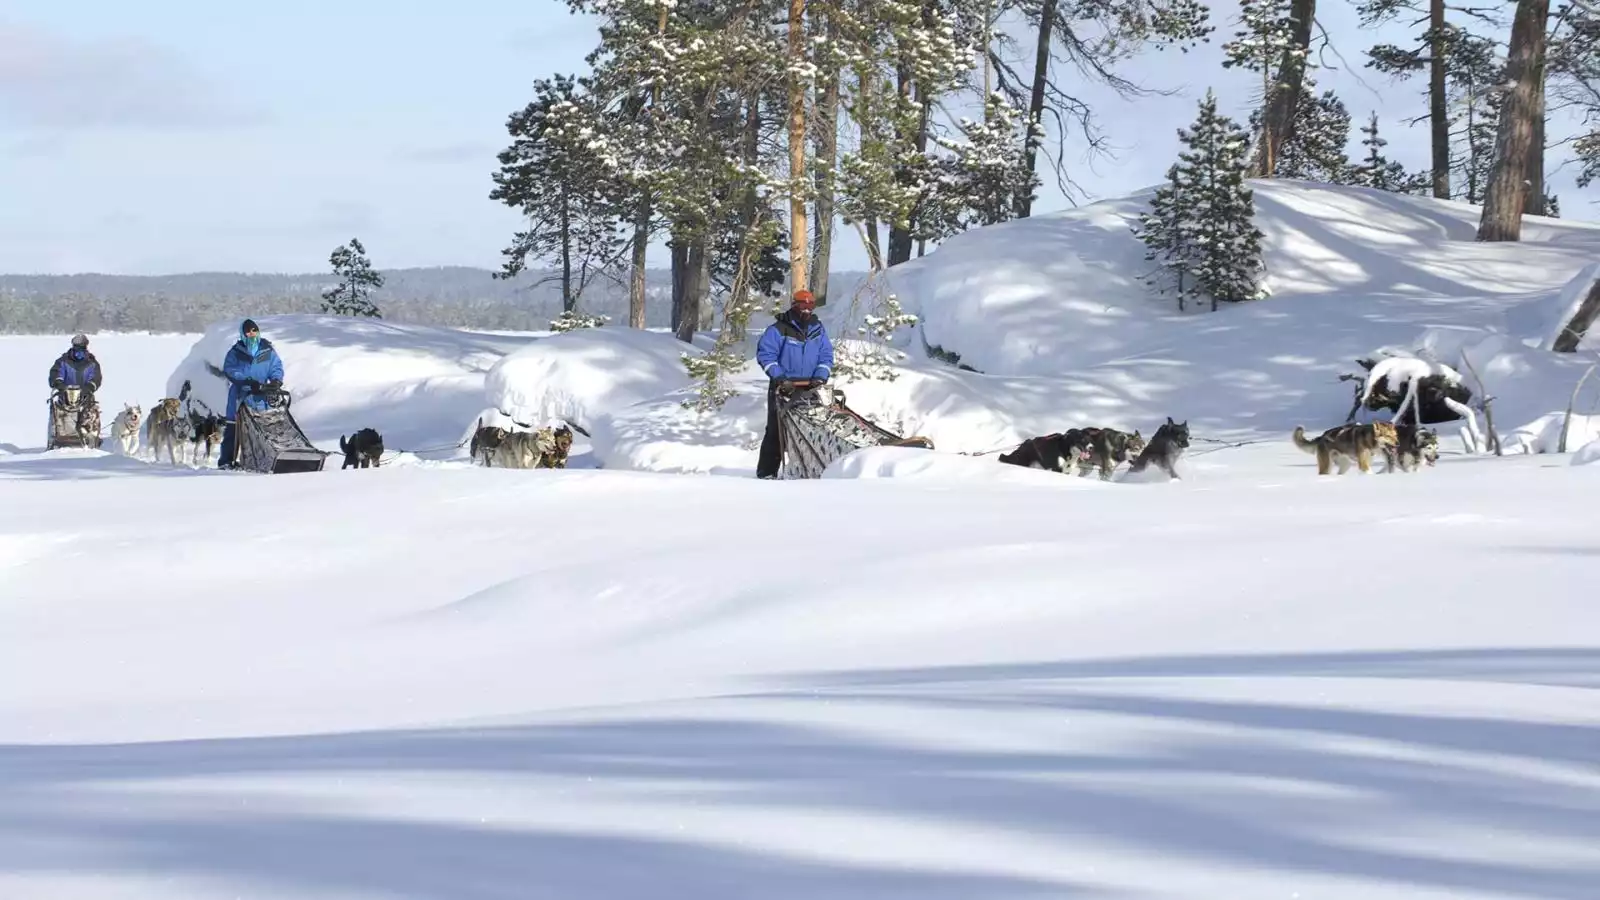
584, 374
416, 384
1061, 292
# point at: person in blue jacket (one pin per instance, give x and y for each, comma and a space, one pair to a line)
794, 348
251, 363
77, 367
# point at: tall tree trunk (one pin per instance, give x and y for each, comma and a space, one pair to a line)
641, 244
874, 245
750, 206
900, 236
1537, 204
1438, 108
827, 157
1278, 124
1505, 196
1041, 74
696, 285
679, 249
568, 301
798, 256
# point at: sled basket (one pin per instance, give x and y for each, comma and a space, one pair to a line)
271, 442
74, 419
815, 430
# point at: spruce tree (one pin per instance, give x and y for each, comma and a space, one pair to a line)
357, 280
1378, 171
1165, 233
1202, 224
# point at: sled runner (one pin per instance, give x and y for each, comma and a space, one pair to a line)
270, 442
74, 419
815, 427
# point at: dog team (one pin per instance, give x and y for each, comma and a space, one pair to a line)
1079, 451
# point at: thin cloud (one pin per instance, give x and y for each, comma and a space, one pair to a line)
52, 81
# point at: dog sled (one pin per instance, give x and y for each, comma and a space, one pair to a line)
815, 427
269, 441
74, 419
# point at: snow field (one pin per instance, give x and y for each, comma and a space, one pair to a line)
925, 675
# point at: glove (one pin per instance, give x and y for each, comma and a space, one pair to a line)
274, 383
250, 384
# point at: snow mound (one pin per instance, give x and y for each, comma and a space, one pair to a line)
584, 374
417, 385
1543, 435
1588, 454
1050, 293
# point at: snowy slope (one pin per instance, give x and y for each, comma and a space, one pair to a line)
926, 675
476, 683
1051, 310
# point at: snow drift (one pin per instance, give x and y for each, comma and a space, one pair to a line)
418, 385
583, 374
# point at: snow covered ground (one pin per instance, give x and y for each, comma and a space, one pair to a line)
926, 675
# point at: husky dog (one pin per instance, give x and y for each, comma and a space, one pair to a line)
125, 428
486, 440
1100, 448
167, 428
545, 448
1339, 445
522, 449
204, 429
556, 456
363, 450
1414, 447
1164, 449
1048, 452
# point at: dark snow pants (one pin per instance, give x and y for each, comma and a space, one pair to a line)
771, 457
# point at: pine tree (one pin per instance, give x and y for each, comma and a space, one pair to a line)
1266, 33
1378, 171
1165, 233
1201, 225
357, 280
574, 210
981, 177
1315, 149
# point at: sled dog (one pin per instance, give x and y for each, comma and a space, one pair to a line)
1342, 444
204, 429
1164, 448
168, 428
1047, 451
545, 448
1100, 448
486, 440
363, 450
556, 456
125, 428
1414, 448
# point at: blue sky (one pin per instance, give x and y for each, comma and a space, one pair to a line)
148, 138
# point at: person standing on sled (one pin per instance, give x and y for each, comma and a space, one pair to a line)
76, 368
250, 364
793, 348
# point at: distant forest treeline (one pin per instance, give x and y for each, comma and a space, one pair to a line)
449, 296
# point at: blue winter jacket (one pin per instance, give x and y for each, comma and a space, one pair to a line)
786, 350
241, 366
74, 370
